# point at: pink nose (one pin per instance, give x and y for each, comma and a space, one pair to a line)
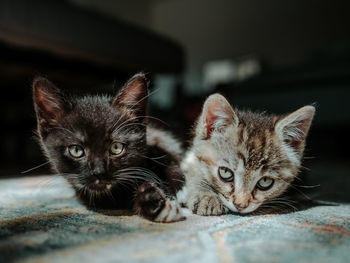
240, 207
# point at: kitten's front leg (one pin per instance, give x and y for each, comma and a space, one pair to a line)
151, 203
206, 204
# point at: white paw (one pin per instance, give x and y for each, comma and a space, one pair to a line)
171, 212
207, 204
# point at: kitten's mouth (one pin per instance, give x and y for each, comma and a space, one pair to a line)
100, 185
232, 208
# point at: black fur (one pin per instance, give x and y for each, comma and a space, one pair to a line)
94, 123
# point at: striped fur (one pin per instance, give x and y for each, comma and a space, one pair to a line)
252, 146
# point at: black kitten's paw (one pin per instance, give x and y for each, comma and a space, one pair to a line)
149, 200
152, 204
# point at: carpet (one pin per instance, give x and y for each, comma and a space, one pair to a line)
40, 221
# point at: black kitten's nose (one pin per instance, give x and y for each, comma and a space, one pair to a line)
97, 168
96, 176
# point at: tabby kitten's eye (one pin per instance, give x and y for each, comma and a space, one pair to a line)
76, 151
116, 148
265, 183
225, 173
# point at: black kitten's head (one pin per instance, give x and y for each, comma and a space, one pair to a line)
93, 141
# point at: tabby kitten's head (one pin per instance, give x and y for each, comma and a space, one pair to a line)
94, 140
249, 158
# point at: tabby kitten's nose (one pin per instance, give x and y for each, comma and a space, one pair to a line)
240, 207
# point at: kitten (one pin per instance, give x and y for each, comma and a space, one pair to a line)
241, 160
108, 151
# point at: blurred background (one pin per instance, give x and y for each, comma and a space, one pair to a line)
273, 56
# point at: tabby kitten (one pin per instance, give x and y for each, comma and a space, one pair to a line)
108, 150
241, 160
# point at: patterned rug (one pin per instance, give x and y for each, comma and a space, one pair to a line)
40, 221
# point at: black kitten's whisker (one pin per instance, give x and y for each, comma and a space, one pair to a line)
130, 124
178, 180
110, 195
115, 127
152, 159
141, 169
91, 198
36, 167
157, 119
63, 129
145, 97
158, 157
126, 181
134, 175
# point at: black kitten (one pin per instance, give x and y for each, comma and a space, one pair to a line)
108, 151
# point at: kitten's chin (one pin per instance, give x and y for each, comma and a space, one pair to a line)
251, 208
100, 186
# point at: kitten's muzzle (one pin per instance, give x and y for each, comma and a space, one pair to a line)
240, 207
99, 182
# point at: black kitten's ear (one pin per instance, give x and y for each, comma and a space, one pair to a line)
217, 114
294, 127
133, 96
48, 102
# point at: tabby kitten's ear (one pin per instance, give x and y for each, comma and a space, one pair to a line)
294, 127
133, 96
217, 114
49, 103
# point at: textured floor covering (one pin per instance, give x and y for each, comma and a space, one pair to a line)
40, 221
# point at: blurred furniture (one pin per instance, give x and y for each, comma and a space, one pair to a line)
323, 80
70, 32
78, 50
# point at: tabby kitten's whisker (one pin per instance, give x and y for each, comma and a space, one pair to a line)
309, 186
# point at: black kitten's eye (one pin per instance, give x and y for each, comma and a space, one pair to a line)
265, 183
76, 151
116, 148
225, 173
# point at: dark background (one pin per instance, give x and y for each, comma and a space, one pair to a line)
302, 49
